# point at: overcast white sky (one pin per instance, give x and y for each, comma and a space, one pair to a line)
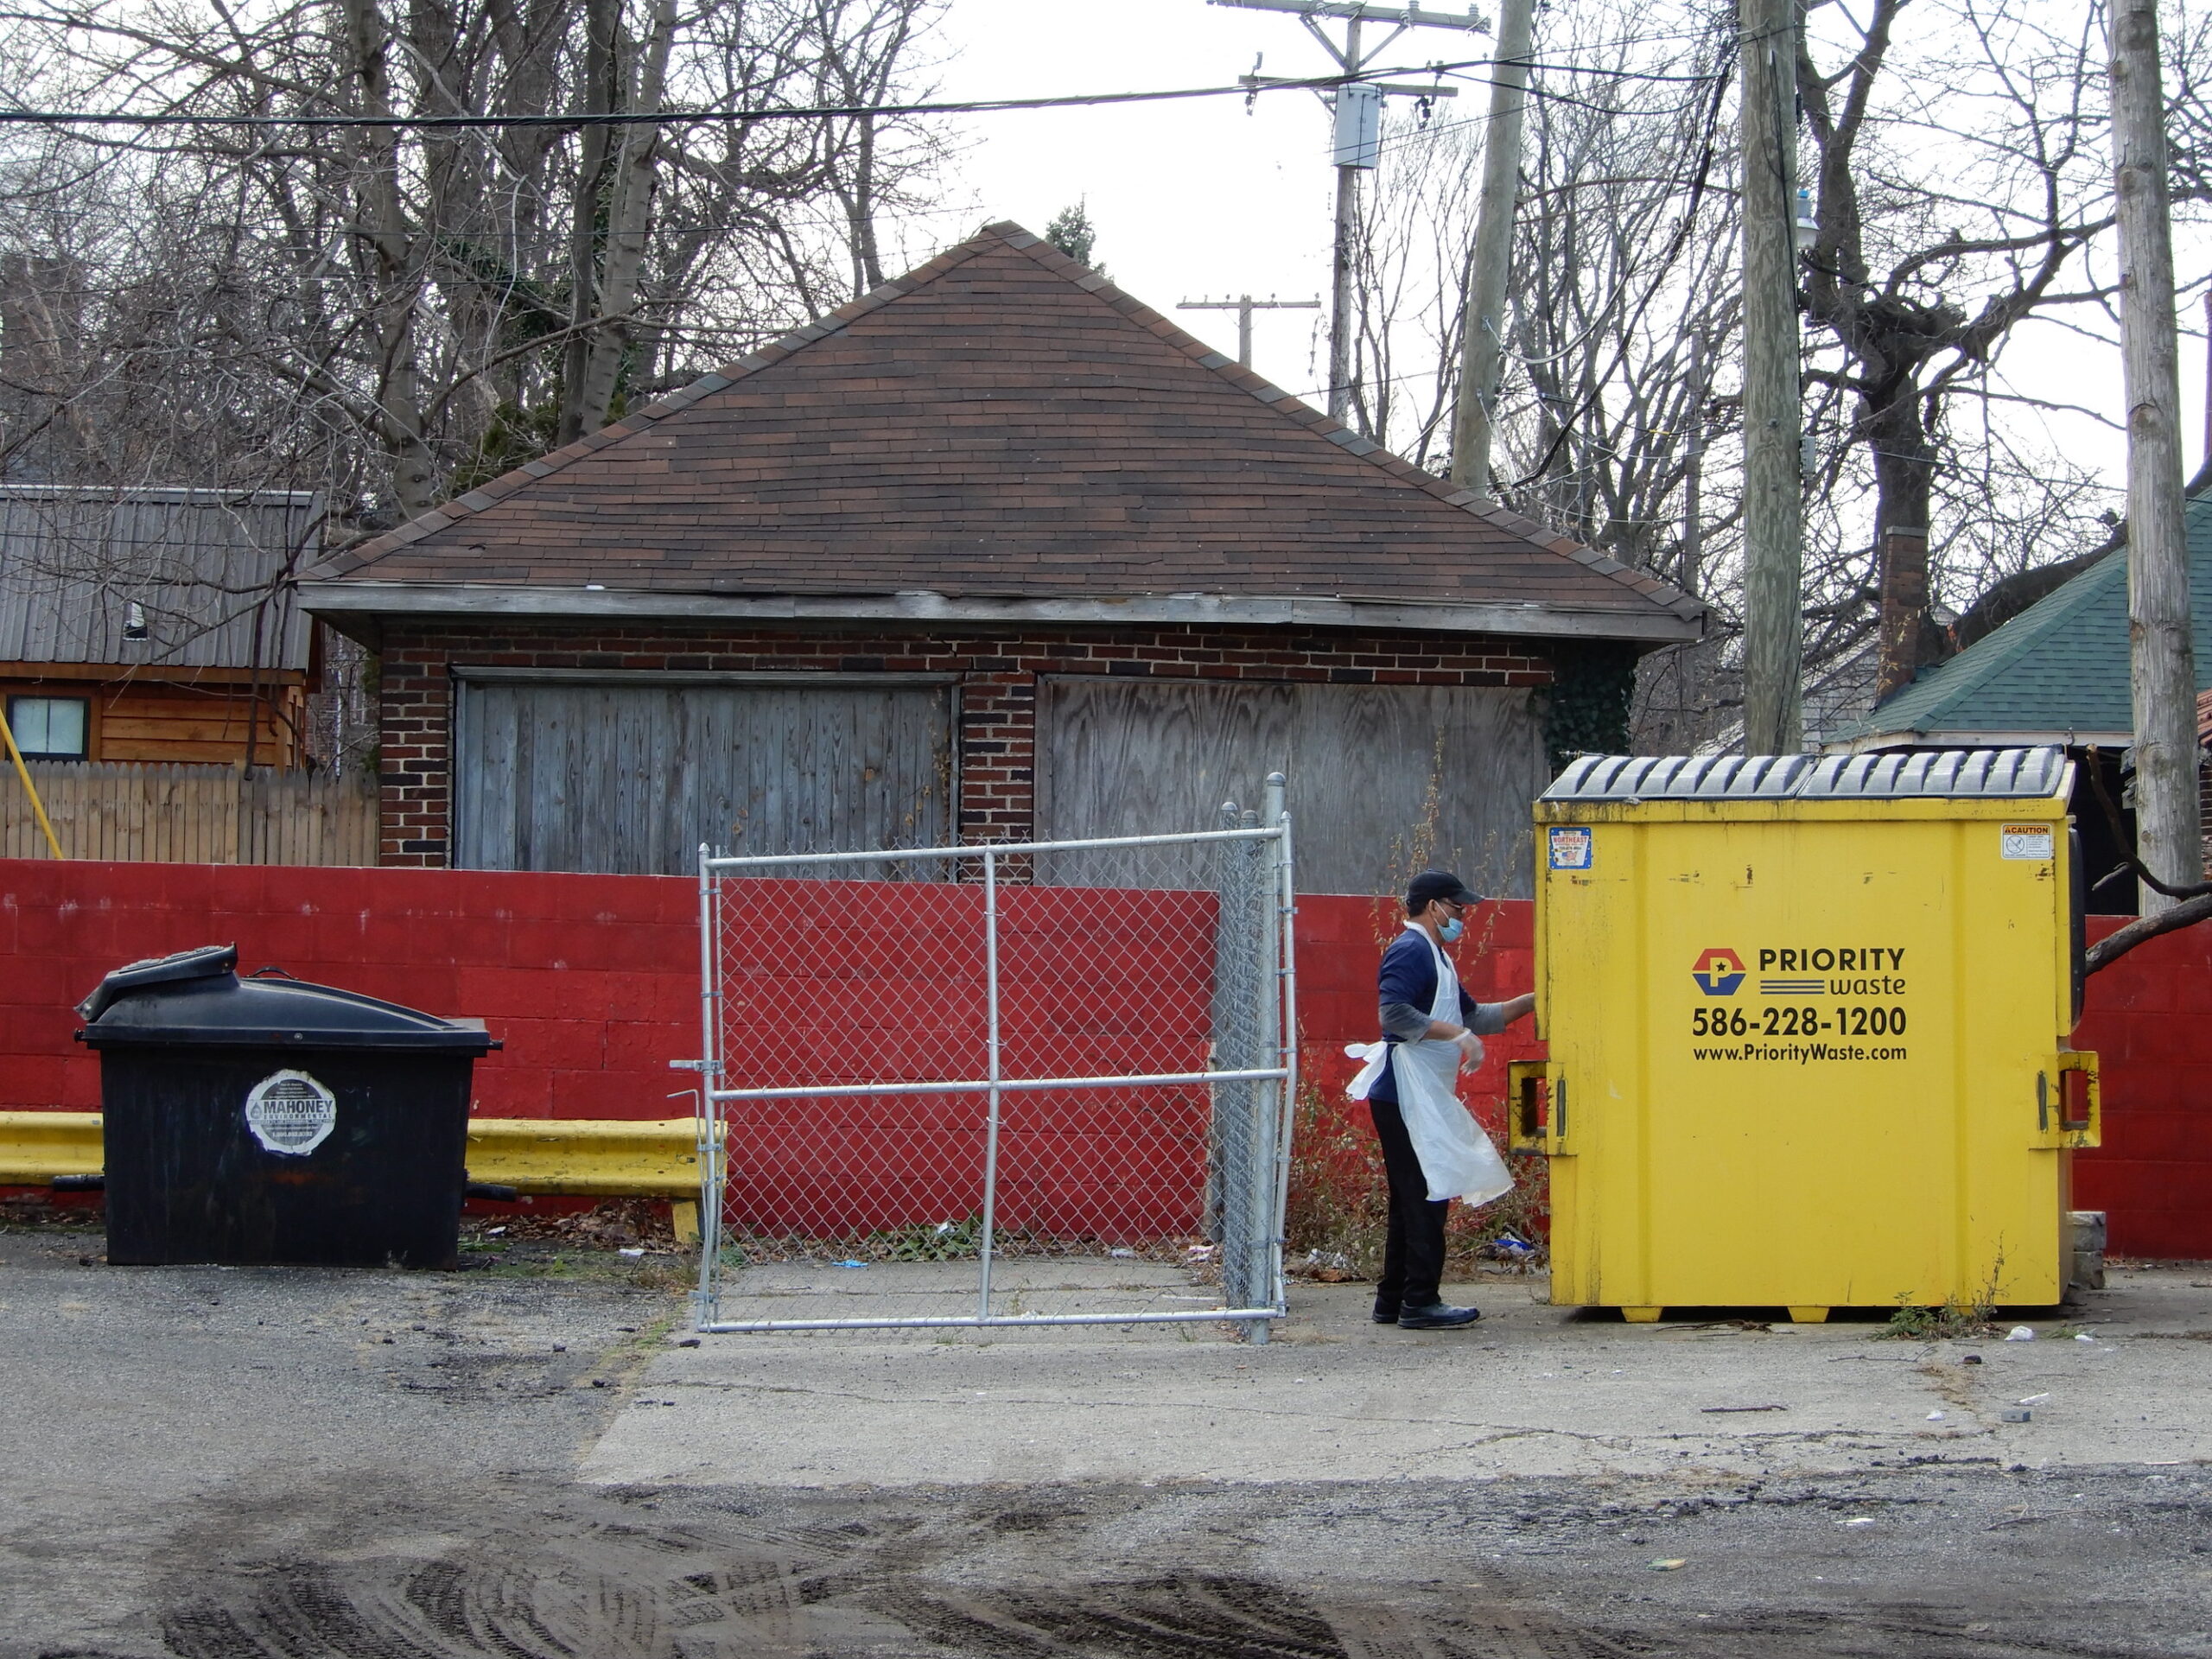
1192, 201
1203, 200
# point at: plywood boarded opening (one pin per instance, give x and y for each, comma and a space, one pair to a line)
630, 774
1384, 780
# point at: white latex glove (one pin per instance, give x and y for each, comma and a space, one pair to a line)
1470, 1050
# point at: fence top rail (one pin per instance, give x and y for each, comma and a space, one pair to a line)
709, 862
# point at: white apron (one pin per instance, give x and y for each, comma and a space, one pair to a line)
1455, 1154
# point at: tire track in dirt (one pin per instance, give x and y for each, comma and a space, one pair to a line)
525, 1569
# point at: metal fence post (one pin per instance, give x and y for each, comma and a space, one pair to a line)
1218, 1049
705, 1300
994, 1076
1267, 1096
1284, 897
1236, 1048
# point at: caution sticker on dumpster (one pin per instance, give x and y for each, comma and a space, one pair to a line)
290, 1113
2027, 841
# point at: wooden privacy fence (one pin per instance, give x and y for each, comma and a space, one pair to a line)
190, 814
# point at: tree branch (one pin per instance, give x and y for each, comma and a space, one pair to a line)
2109, 950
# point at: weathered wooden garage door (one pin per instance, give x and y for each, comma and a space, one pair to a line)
630, 774
1384, 780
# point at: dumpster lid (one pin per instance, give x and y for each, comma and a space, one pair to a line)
2035, 773
197, 997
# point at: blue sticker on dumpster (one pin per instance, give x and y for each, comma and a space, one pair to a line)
1570, 848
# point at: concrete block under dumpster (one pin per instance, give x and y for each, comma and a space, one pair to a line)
1808, 1022
265, 1120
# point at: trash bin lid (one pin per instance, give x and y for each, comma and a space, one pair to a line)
197, 997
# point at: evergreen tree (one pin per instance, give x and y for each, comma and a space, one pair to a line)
1073, 234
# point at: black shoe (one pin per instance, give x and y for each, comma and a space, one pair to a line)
1438, 1316
1386, 1313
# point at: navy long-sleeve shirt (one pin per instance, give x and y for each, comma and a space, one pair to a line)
1406, 991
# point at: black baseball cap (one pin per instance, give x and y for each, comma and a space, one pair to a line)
1431, 885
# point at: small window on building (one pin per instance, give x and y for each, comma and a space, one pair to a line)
134, 620
50, 729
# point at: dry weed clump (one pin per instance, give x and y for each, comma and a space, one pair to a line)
1338, 1207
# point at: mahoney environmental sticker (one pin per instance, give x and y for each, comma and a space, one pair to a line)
2027, 841
290, 1113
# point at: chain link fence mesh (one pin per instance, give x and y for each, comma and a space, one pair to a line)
1015, 1083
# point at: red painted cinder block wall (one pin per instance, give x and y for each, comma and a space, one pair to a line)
1340, 941
2148, 1019
592, 982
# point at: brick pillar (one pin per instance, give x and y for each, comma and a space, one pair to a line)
996, 789
414, 759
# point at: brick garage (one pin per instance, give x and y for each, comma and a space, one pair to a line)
997, 680
995, 551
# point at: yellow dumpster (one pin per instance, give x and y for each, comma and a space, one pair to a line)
1808, 1023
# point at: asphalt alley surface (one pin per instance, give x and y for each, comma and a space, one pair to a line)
240, 1463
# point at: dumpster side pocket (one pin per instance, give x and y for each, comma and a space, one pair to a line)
2081, 1105
1536, 1110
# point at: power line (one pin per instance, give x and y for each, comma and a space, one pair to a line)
808, 112
659, 118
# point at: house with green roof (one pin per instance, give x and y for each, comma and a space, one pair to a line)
2057, 673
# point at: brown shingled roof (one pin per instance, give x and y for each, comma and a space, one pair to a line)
999, 422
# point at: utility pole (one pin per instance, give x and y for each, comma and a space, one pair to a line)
1357, 106
2162, 658
1692, 573
1244, 305
1482, 322
1358, 141
2207, 378
1774, 528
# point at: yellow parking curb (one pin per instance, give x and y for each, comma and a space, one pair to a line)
583, 1157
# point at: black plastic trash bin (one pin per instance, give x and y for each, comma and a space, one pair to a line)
267, 1120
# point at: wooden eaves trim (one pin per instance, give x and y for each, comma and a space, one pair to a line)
350, 604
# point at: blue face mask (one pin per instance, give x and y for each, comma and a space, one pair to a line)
1450, 931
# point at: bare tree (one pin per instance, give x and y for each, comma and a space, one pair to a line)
1943, 223
1958, 194
397, 311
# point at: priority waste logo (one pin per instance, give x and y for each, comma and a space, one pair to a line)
1719, 972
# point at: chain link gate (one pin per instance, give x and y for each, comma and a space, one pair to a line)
1072, 1064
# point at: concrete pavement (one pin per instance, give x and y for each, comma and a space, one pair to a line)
1532, 1390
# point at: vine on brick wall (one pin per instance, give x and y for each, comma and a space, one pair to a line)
1587, 711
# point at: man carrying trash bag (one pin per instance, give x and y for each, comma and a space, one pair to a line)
1433, 1151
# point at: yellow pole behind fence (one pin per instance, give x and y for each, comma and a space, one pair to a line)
38, 807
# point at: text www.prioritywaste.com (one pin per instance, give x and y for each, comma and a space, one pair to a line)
1800, 1053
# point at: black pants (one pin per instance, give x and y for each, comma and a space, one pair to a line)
1412, 1253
